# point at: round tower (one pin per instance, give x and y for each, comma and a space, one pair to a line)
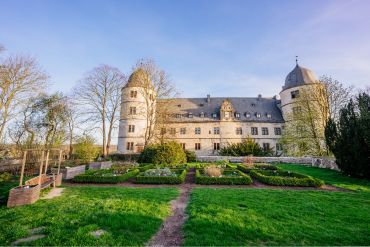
136, 102
295, 81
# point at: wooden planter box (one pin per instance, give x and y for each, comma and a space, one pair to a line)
23, 195
70, 172
100, 165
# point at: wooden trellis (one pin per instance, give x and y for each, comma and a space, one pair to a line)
29, 192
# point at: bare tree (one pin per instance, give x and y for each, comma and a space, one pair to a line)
155, 86
20, 79
98, 93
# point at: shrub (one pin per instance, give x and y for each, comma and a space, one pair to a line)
190, 156
104, 176
213, 171
5, 177
178, 178
123, 157
121, 168
285, 178
247, 147
146, 167
229, 177
168, 153
85, 148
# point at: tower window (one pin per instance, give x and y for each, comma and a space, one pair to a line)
197, 131
182, 131
131, 128
133, 94
130, 146
239, 131
265, 131
163, 131
294, 94
197, 146
254, 131
132, 110
216, 146
297, 110
216, 130
277, 131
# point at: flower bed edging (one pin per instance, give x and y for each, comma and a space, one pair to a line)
90, 178
301, 180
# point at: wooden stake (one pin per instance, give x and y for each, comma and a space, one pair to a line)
47, 161
41, 165
23, 165
60, 160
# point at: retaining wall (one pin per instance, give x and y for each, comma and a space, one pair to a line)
322, 162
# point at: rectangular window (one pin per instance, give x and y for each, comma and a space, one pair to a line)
173, 131
239, 131
163, 131
131, 128
197, 146
132, 110
266, 146
297, 110
130, 146
190, 115
277, 131
183, 145
214, 115
178, 115
237, 115
265, 131
279, 147
133, 94
216, 130
295, 94
216, 146
182, 131
254, 131
197, 131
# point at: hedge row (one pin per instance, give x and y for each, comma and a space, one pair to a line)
228, 180
100, 178
146, 167
246, 169
285, 178
141, 179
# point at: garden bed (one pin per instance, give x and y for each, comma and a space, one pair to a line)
229, 177
70, 172
161, 176
247, 169
108, 176
285, 178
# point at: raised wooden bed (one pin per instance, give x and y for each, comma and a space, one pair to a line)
23, 195
100, 165
70, 172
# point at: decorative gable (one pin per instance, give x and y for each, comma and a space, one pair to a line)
227, 110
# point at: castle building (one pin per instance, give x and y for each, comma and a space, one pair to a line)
205, 125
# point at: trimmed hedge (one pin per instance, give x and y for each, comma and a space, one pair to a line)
146, 167
227, 180
285, 178
90, 177
246, 169
141, 179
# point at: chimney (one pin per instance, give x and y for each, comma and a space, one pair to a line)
259, 97
208, 98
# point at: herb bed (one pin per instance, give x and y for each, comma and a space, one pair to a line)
177, 179
230, 177
104, 176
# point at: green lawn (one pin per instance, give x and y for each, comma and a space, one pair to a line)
330, 177
4, 190
226, 217
129, 215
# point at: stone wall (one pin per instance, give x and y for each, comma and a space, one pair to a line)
322, 162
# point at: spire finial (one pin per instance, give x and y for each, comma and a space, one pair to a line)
296, 60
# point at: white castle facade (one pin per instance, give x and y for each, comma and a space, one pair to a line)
204, 125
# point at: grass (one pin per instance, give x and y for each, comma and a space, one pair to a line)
331, 177
4, 190
277, 217
129, 215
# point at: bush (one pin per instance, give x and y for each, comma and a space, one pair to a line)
123, 157
104, 176
349, 139
230, 177
5, 177
178, 179
190, 156
145, 167
168, 153
213, 171
285, 178
85, 148
247, 147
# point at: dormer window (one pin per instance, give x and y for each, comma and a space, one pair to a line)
202, 114
247, 115
268, 115
179, 105
237, 115
253, 104
258, 115
190, 115
214, 115
178, 115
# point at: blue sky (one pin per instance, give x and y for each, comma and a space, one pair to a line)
225, 48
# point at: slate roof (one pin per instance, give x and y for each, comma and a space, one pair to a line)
196, 106
298, 77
